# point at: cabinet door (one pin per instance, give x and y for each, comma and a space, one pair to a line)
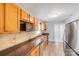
45, 43
31, 19
11, 18
18, 18
36, 51
1, 17
36, 23
43, 26
24, 16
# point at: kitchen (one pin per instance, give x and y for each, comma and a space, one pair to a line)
20, 32
29, 29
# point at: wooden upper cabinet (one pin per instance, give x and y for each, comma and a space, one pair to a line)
31, 19
36, 23
11, 18
44, 26
36, 51
1, 17
18, 18
24, 16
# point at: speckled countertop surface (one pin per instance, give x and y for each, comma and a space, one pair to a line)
25, 43
8, 40
22, 49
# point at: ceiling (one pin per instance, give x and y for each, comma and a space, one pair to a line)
51, 12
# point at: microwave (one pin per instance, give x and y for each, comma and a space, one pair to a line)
26, 26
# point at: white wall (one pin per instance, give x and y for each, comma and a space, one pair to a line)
59, 31
50, 30
55, 31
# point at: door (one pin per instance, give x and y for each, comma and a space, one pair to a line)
11, 18
1, 17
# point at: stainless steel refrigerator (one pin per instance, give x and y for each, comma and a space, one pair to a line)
71, 39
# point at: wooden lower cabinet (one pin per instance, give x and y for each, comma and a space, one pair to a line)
36, 51
45, 43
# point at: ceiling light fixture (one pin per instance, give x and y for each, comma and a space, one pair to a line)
55, 14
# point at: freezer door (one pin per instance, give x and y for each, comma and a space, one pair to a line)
67, 33
73, 34
76, 42
73, 37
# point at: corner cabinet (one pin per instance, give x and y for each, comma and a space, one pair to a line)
11, 18
1, 18
36, 51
